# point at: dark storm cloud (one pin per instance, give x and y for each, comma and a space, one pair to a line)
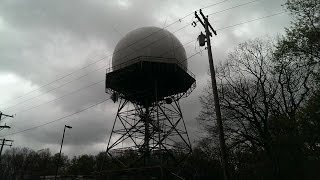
42, 40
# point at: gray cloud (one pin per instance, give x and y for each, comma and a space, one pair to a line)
42, 40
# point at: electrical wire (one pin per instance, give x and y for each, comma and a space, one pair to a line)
69, 115
56, 120
59, 119
90, 64
245, 22
142, 48
149, 44
60, 86
93, 84
211, 5
233, 7
9, 107
56, 99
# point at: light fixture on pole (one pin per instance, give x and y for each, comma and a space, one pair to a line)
64, 130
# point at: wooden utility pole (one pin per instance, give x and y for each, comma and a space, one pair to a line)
202, 39
4, 144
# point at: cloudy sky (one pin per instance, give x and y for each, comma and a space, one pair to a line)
42, 41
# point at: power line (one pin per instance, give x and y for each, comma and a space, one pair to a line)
93, 84
149, 44
132, 52
95, 69
59, 119
77, 112
226, 27
60, 86
56, 120
175, 31
245, 22
205, 7
90, 71
90, 64
65, 95
110, 54
233, 7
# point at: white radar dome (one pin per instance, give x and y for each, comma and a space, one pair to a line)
152, 43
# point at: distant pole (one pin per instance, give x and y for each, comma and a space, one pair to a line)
4, 144
64, 130
5, 115
3, 141
223, 149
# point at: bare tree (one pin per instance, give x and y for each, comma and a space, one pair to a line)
260, 96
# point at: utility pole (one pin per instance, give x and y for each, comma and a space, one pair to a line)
5, 115
202, 39
4, 144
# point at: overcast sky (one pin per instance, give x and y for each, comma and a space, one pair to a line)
42, 40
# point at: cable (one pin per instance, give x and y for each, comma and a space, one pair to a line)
69, 74
65, 95
6, 108
234, 7
53, 121
109, 98
69, 115
9, 107
91, 85
264, 17
214, 4
26, 100
131, 53
152, 43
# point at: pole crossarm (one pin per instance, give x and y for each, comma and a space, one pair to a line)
4, 127
4, 115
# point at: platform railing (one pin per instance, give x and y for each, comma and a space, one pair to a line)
154, 59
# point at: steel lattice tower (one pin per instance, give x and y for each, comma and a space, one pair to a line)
148, 80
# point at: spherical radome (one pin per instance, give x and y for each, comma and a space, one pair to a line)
149, 42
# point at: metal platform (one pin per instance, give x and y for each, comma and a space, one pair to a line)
140, 77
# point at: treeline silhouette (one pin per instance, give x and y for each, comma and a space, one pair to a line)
24, 163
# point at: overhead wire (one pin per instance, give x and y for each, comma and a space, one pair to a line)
100, 68
100, 59
9, 107
56, 120
58, 98
60, 86
233, 7
219, 29
71, 114
90, 85
59, 119
245, 22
